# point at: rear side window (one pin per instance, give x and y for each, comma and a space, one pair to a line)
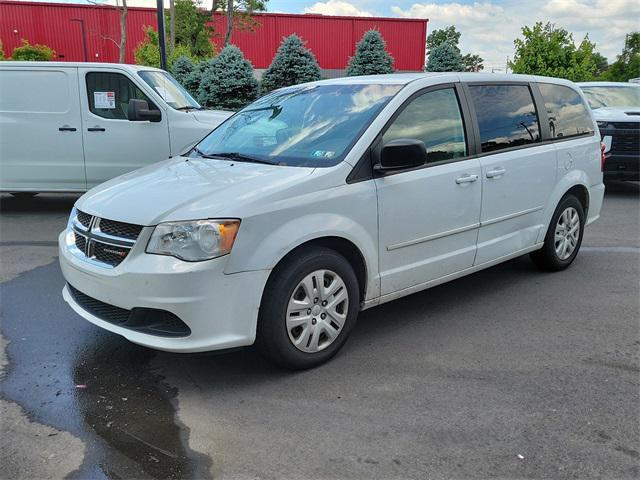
506, 116
568, 115
109, 94
435, 118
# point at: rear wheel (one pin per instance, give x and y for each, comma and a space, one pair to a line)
309, 307
564, 236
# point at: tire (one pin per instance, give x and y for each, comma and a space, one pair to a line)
24, 195
289, 315
552, 257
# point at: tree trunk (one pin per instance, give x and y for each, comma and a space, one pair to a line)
227, 37
123, 30
172, 23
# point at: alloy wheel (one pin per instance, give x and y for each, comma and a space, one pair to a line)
567, 233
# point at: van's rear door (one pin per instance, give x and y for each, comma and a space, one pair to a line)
40, 129
113, 145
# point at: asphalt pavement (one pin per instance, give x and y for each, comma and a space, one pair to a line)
507, 373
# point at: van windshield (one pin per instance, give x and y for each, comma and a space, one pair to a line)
170, 90
610, 96
310, 126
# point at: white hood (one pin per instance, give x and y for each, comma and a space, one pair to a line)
211, 117
188, 189
617, 114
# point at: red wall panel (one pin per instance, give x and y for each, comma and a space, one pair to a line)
332, 39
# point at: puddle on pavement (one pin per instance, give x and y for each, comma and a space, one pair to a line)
73, 376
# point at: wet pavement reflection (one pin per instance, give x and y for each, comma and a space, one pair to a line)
73, 376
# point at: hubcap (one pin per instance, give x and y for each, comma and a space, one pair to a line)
317, 311
567, 233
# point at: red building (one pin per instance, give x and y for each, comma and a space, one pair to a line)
332, 39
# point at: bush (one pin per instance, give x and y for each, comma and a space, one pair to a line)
28, 52
228, 83
148, 51
292, 64
1, 51
182, 67
194, 80
445, 58
371, 56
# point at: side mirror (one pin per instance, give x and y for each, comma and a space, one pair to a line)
138, 111
401, 154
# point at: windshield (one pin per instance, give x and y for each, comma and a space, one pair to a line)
311, 126
169, 89
609, 96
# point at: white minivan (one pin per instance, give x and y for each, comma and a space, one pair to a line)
66, 127
327, 198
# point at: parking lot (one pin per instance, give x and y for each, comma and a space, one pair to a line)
507, 373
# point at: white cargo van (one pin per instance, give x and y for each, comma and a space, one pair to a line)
66, 127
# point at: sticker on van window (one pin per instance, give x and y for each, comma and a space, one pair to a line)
104, 100
323, 154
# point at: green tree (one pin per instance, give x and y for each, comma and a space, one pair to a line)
439, 36
445, 58
371, 56
182, 68
293, 64
193, 81
471, 62
229, 82
28, 52
627, 64
148, 51
239, 13
192, 29
602, 64
547, 50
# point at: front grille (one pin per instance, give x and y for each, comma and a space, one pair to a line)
145, 320
120, 229
625, 143
84, 219
103, 241
109, 254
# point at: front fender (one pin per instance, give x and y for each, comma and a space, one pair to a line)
348, 212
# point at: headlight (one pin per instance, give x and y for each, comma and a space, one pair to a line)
602, 124
194, 241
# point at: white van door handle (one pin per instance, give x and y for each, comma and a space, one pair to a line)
96, 129
67, 128
497, 172
466, 179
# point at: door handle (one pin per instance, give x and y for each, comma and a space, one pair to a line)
466, 179
495, 172
96, 129
67, 128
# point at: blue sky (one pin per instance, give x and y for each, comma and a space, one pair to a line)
489, 26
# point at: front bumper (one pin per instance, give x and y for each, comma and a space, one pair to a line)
622, 166
220, 310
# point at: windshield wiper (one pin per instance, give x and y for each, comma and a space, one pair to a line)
240, 157
190, 107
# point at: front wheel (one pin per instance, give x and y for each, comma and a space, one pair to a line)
564, 236
309, 307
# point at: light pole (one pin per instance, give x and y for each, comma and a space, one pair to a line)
163, 49
84, 37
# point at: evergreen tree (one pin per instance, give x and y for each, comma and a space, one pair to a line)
445, 58
371, 57
182, 67
292, 64
194, 79
228, 83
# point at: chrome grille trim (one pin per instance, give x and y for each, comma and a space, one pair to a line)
88, 227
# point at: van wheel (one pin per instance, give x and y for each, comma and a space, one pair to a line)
309, 307
564, 236
23, 195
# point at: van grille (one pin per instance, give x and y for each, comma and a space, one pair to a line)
102, 241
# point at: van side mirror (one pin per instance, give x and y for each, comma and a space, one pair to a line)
138, 111
401, 154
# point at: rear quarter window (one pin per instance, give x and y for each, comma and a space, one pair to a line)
567, 112
34, 91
